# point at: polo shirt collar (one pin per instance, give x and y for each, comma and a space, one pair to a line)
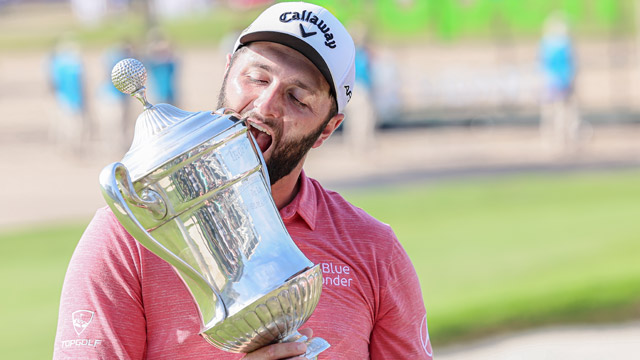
304, 204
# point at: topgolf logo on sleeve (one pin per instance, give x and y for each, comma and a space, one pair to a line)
81, 320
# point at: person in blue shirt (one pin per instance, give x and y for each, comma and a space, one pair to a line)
560, 124
67, 81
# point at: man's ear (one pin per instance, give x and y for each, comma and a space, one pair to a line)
332, 125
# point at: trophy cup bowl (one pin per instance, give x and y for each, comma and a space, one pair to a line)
194, 190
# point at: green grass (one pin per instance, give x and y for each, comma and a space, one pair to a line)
492, 255
500, 254
26, 26
42, 26
33, 262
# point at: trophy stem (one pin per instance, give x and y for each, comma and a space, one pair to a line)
141, 95
315, 345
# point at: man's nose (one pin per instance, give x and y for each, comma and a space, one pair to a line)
269, 102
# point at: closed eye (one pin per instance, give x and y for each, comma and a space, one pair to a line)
257, 76
296, 101
257, 80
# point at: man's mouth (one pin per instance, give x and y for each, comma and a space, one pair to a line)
262, 136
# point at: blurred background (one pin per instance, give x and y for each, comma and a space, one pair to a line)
499, 138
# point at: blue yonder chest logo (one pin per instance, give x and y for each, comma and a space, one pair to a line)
313, 19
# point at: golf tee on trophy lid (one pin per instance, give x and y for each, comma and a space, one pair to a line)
193, 190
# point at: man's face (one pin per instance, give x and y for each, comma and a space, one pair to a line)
285, 100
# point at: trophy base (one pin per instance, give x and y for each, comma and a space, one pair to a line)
315, 345
274, 317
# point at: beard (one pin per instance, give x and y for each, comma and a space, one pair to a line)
286, 154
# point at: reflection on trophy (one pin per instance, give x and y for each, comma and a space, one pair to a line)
194, 190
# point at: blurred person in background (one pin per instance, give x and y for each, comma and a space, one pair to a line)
113, 108
385, 87
70, 128
161, 64
290, 77
359, 131
560, 123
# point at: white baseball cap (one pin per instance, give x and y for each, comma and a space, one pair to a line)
315, 33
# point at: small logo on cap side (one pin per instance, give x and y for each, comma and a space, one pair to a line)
347, 91
308, 16
306, 34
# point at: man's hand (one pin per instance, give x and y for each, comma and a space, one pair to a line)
293, 350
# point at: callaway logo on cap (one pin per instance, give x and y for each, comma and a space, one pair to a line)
314, 32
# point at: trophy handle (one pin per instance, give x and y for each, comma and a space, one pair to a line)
118, 191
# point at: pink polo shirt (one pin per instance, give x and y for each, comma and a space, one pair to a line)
121, 301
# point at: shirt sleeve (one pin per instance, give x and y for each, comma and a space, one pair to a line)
400, 330
101, 311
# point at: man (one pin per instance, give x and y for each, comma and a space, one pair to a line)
560, 123
290, 76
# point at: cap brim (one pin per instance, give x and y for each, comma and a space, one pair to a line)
297, 44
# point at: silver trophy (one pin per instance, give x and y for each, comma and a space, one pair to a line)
194, 190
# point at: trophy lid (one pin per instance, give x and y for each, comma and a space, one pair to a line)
162, 131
